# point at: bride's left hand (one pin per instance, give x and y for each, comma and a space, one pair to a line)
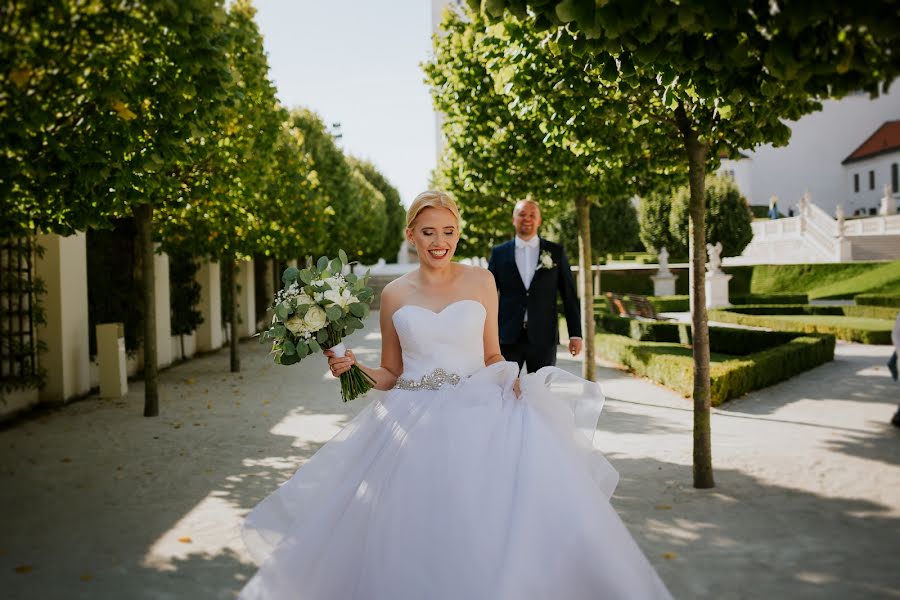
517, 388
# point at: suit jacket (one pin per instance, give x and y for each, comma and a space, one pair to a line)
539, 299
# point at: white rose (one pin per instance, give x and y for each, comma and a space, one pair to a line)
295, 325
341, 299
304, 298
315, 318
547, 260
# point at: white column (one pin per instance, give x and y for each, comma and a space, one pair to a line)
163, 310
209, 333
63, 268
111, 359
246, 299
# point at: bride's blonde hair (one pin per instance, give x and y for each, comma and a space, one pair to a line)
431, 199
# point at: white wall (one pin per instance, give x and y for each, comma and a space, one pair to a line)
812, 159
739, 172
869, 197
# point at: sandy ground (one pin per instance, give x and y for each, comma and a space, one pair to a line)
99, 502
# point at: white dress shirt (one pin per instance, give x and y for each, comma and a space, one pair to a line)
526, 261
527, 257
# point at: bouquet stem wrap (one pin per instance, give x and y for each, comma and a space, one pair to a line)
354, 382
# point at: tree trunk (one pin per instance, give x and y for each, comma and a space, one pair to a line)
143, 216
232, 283
583, 216
696, 154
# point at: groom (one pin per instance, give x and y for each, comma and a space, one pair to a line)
529, 273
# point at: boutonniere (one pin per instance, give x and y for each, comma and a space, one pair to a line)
546, 261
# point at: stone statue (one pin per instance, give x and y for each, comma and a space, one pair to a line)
714, 253
888, 204
663, 260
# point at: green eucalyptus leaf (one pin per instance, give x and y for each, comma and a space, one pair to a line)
343, 256
290, 275
358, 309
322, 264
334, 312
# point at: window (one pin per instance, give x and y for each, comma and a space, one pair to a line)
856, 183
895, 179
871, 180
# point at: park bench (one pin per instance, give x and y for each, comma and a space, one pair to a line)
633, 306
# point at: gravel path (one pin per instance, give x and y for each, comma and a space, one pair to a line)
101, 503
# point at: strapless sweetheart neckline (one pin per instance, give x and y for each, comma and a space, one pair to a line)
438, 312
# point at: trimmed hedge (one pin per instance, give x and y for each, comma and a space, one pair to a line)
878, 300
722, 340
682, 303
762, 316
671, 364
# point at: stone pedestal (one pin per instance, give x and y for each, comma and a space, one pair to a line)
111, 360
163, 309
246, 299
63, 268
209, 333
664, 284
717, 289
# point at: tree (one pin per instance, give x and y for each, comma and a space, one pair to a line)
106, 109
655, 230
728, 216
517, 123
356, 210
614, 228
727, 73
225, 209
394, 209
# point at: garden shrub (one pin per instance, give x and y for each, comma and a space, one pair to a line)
671, 364
892, 300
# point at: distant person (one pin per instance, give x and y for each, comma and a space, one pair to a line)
791, 211
773, 207
892, 364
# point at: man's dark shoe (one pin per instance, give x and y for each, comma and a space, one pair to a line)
892, 365
895, 421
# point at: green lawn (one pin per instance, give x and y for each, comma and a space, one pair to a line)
838, 280
836, 321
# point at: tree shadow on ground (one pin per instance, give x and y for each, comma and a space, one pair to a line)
750, 539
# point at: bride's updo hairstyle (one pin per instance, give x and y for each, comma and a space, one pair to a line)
431, 199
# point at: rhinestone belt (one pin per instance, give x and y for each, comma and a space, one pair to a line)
432, 381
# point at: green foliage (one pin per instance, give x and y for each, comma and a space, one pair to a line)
184, 294
671, 364
655, 231
810, 319
395, 211
728, 217
356, 209
614, 228
878, 300
369, 218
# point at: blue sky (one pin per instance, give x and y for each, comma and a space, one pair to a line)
357, 62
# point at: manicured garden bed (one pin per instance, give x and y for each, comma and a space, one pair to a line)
742, 360
865, 324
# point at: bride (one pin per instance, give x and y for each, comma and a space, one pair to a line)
463, 481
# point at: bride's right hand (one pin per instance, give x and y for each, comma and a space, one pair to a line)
340, 364
517, 388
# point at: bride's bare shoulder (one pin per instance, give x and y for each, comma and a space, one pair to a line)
477, 275
393, 293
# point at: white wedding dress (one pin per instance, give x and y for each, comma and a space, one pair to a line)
461, 493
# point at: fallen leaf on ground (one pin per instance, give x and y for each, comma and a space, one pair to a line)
669, 555
86, 577
66, 460
23, 569
185, 540
189, 381
663, 507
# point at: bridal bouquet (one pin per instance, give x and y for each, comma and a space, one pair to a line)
316, 309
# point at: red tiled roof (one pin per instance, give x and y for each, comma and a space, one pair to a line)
885, 139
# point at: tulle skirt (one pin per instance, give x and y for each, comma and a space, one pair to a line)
461, 493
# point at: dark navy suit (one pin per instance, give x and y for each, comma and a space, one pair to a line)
534, 344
